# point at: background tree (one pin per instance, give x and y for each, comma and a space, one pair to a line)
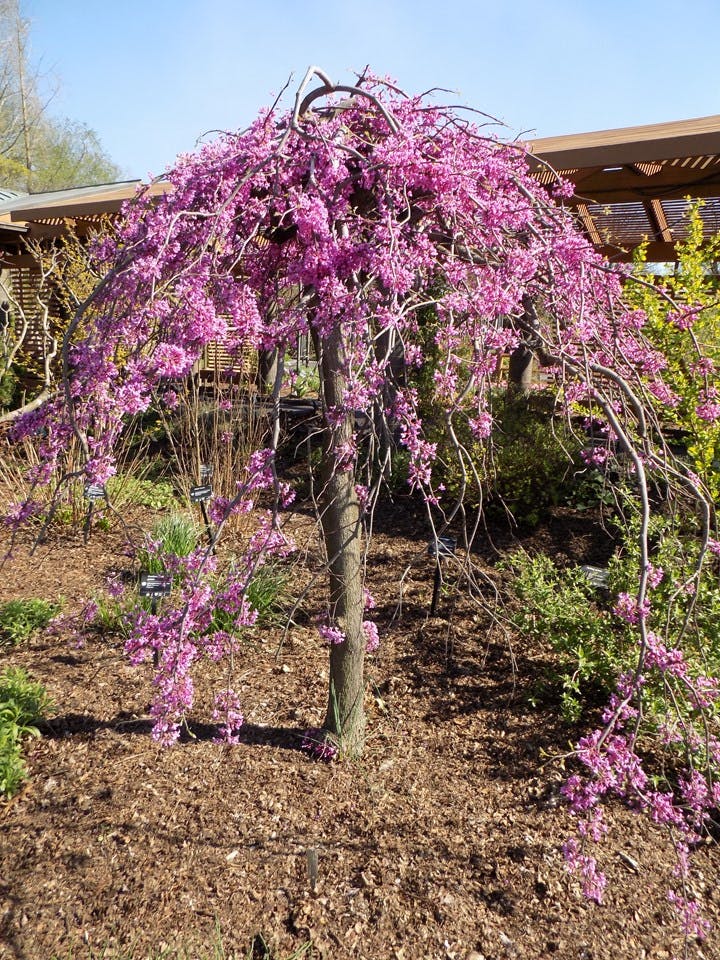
33, 326
685, 325
38, 151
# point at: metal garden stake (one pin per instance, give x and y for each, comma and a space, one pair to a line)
93, 492
201, 494
441, 548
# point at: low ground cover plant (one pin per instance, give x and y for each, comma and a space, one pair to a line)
562, 608
19, 619
23, 704
126, 489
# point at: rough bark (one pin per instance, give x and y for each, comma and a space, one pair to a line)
345, 719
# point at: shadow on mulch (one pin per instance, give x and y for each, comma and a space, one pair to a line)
563, 533
71, 724
489, 681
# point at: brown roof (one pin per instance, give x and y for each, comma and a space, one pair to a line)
632, 183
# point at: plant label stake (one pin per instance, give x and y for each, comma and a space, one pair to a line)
92, 493
440, 548
201, 495
155, 586
599, 577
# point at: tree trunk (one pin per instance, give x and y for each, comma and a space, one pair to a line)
520, 370
521, 366
345, 719
266, 371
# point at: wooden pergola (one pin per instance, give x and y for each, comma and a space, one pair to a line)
44, 216
632, 183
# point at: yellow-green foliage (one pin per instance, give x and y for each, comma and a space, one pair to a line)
695, 286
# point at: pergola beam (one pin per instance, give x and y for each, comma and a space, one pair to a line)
658, 221
618, 173
625, 145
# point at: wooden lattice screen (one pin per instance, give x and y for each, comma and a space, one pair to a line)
217, 365
27, 302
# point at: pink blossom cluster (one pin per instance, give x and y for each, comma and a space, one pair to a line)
614, 767
630, 609
205, 617
227, 712
316, 743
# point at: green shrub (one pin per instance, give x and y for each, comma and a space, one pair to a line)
23, 703
8, 387
561, 608
685, 610
19, 619
155, 494
526, 466
593, 646
694, 284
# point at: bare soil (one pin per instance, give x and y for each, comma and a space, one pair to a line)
443, 841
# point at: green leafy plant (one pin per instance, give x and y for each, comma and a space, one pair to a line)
305, 383
590, 489
562, 608
19, 619
592, 645
8, 387
533, 463
678, 329
526, 468
23, 703
156, 494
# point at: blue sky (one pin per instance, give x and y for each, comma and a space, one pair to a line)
151, 77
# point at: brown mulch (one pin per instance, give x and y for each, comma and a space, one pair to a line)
443, 841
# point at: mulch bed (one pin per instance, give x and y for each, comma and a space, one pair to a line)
443, 841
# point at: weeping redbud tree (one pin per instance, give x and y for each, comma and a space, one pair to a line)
351, 218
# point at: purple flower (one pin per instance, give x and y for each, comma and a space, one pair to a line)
316, 742
372, 638
331, 634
